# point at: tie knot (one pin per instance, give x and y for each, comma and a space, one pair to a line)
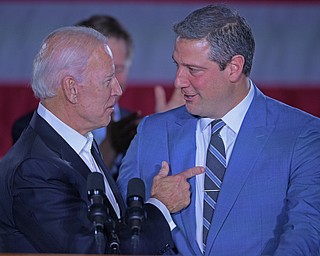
217, 125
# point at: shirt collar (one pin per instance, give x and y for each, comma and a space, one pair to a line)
233, 119
71, 136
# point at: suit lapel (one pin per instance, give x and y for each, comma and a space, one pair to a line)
250, 141
57, 144
182, 142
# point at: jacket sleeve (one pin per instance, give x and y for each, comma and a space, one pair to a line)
154, 238
300, 235
50, 209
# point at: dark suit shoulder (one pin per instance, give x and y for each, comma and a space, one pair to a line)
20, 125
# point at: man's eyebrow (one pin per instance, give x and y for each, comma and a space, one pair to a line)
109, 75
188, 65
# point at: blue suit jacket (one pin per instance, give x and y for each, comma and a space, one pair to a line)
270, 198
44, 204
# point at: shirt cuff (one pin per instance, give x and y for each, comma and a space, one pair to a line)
164, 211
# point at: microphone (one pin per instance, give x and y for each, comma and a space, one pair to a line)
135, 213
97, 211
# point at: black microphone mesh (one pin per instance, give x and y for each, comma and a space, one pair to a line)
95, 181
136, 187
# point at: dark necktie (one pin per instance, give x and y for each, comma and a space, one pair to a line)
97, 156
215, 169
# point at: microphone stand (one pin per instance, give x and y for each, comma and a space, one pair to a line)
114, 244
101, 214
97, 214
135, 214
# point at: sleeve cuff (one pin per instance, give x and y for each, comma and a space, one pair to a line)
164, 211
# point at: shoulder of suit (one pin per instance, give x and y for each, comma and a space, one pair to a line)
173, 114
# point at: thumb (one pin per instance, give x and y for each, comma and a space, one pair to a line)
164, 171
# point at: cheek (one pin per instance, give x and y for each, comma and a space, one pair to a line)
215, 83
105, 99
103, 94
203, 85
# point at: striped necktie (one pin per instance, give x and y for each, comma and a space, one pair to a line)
215, 169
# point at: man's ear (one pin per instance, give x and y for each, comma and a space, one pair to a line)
69, 86
236, 66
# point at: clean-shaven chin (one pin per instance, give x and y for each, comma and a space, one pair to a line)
108, 113
192, 103
192, 107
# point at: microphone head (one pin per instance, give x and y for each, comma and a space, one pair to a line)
136, 188
95, 182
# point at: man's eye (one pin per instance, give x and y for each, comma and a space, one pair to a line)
107, 82
193, 70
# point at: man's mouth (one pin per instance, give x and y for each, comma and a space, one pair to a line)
189, 96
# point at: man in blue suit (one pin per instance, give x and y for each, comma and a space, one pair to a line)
269, 200
43, 178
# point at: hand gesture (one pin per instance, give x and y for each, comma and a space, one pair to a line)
173, 191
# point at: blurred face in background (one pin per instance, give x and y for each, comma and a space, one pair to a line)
121, 63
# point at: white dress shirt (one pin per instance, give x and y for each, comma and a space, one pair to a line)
79, 143
233, 120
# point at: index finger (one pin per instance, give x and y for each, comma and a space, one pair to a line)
192, 172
